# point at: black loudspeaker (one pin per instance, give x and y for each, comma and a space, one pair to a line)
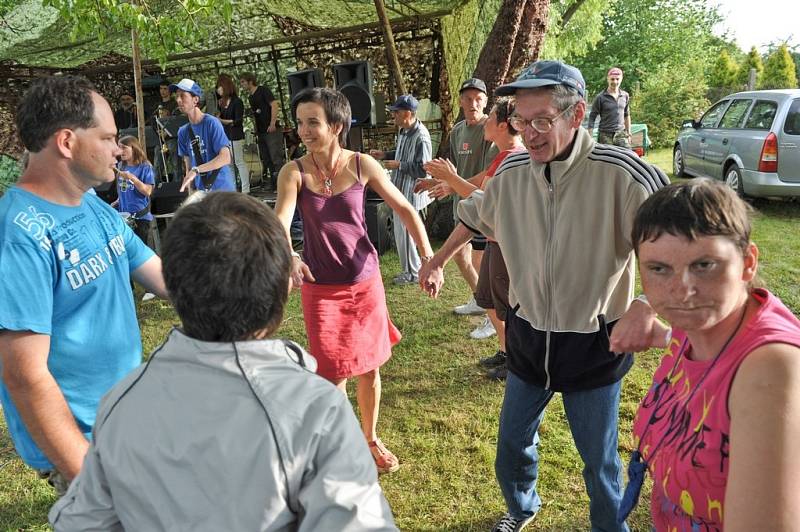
379, 224
303, 79
166, 197
354, 80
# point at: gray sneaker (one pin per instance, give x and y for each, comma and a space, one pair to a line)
507, 523
404, 279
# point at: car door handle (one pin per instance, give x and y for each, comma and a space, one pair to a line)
724, 141
702, 140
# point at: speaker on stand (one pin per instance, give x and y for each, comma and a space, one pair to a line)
303, 79
354, 80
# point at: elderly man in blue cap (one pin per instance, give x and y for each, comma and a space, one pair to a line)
202, 143
562, 214
405, 161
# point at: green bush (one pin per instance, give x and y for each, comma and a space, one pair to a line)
9, 172
667, 98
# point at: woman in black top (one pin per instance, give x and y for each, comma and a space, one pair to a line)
231, 114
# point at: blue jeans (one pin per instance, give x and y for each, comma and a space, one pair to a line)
592, 417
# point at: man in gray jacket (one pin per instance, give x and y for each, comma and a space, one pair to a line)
562, 213
224, 428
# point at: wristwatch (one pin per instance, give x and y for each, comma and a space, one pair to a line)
195, 170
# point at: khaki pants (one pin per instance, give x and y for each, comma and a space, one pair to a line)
617, 138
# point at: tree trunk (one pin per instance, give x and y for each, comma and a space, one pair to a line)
137, 85
515, 41
529, 43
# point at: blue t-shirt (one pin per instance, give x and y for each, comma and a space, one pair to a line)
130, 199
65, 272
212, 141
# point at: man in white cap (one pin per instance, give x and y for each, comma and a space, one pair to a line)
562, 214
202, 143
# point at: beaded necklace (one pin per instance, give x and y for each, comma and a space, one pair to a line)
327, 180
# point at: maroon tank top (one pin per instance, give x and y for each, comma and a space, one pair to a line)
336, 247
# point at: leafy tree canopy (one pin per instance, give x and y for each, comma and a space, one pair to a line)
779, 70
575, 27
644, 36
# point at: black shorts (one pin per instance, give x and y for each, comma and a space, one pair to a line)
478, 242
492, 291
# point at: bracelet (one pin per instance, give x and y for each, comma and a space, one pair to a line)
195, 170
643, 299
296, 255
426, 259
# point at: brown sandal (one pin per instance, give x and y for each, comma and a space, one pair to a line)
385, 461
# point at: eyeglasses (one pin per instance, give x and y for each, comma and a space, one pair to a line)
542, 125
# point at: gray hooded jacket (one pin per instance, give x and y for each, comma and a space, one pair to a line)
224, 436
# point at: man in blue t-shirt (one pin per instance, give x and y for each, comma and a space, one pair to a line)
202, 143
68, 328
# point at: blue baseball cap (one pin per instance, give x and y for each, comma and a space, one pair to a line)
404, 102
473, 83
187, 85
544, 73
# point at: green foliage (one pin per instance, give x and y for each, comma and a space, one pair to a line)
464, 31
9, 172
779, 70
163, 26
645, 36
667, 98
724, 73
582, 31
751, 60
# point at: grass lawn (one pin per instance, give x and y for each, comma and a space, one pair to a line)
439, 414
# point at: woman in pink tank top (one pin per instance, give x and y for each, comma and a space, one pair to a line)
344, 305
718, 428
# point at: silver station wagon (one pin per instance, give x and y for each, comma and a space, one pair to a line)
751, 140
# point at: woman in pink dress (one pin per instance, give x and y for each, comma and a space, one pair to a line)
719, 427
344, 305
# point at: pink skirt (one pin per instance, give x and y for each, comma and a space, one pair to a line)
348, 327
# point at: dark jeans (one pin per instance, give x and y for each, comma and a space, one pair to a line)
271, 152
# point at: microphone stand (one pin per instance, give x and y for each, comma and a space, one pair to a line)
164, 147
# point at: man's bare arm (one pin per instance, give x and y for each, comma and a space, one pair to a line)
39, 400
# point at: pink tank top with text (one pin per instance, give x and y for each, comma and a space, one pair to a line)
691, 443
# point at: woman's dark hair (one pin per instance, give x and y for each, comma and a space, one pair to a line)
228, 87
333, 102
53, 103
696, 208
504, 109
226, 266
139, 155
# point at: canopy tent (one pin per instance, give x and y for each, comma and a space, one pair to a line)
273, 37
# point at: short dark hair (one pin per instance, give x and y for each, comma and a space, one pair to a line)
226, 266
692, 209
53, 103
333, 102
164, 83
250, 77
504, 109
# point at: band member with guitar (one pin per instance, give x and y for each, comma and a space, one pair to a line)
264, 108
202, 143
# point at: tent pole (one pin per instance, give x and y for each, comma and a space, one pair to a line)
394, 63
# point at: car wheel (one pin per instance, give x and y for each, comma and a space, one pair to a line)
733, 178
678, 167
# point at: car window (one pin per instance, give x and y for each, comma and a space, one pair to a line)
792, 124
735, 114
761, 115
712, 115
